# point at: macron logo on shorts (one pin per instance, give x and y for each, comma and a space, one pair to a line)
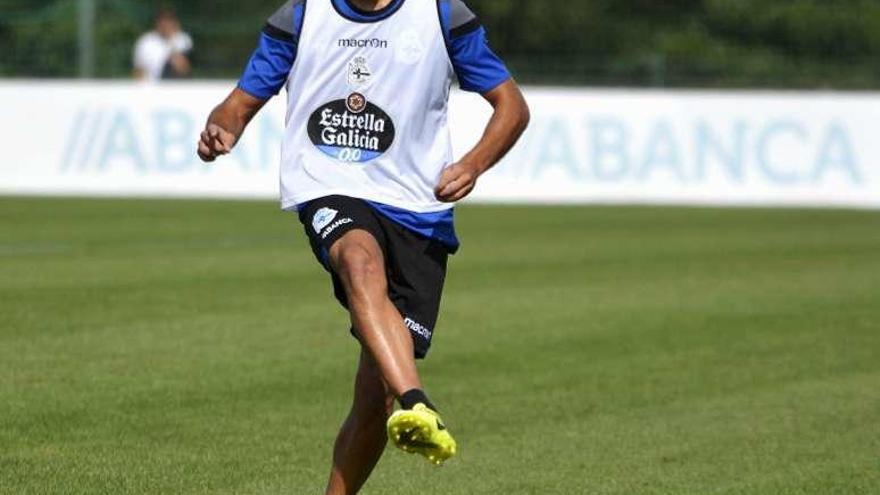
322, 218
417, 328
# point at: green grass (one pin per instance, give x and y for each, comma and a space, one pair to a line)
174, 347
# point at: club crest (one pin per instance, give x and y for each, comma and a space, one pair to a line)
359, 72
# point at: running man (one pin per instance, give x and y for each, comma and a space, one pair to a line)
367, 165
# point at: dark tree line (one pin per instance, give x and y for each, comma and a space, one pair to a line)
716, 43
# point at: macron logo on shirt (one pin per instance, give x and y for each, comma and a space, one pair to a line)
366, 43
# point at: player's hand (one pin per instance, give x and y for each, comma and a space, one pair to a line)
215, 141
456, 182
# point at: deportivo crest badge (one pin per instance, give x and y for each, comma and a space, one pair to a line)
359, 72
322, 218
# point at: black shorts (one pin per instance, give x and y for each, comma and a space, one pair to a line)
415, 266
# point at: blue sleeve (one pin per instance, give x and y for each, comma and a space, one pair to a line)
478, 69
268, 68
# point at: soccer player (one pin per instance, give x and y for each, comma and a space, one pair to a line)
368, 167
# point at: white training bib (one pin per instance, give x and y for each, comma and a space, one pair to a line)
367, 104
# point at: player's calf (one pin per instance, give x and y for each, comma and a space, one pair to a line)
362, 438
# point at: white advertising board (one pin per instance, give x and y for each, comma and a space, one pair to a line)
583, 146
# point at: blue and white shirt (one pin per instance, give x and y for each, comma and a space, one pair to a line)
367, 100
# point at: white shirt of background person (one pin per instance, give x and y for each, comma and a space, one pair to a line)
155, 50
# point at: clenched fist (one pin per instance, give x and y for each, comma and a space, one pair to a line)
215, 141
456, 182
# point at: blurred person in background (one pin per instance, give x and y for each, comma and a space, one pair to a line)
163, 53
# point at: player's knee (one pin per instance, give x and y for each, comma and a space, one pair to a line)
360, 269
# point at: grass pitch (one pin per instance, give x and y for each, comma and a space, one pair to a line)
174, 347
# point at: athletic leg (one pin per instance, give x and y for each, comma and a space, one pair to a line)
350, 240
358, 261
417, 428
362, 439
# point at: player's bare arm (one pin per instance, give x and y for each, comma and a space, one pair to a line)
509, 121
226, 124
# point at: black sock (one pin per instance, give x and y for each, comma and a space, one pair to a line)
409, 399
